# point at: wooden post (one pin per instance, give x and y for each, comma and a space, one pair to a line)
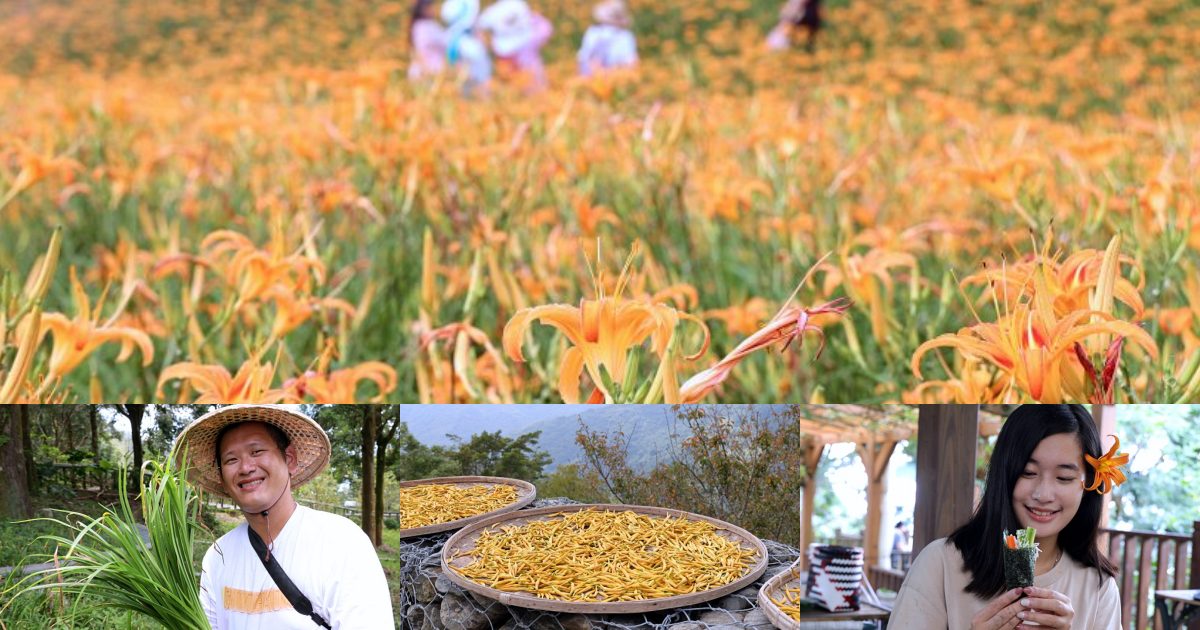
947, 436
1106, 423
875, 455
812, 461
1195, 581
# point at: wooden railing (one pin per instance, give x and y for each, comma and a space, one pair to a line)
222, 503
883, 578
83, 477
1151, 560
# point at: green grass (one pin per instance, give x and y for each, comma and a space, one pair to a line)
19, 539
389, 556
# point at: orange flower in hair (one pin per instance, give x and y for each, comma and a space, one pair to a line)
1108, 468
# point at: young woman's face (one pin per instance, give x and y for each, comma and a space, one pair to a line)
1049, 490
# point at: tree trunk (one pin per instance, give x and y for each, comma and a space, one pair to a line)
31, 476
370, 429
379, 463
135, 413
68, 414
14, 492
94, 418
386, 435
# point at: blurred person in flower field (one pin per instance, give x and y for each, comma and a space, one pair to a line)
517, 35
463, 47
428, 40
609, 43
287, 566
1047, 475
796, 14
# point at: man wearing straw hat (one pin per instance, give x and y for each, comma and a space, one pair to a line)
287, 566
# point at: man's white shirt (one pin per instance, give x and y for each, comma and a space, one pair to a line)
328, 558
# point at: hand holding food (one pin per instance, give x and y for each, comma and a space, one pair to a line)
1020, 554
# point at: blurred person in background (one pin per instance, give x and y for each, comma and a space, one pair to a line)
464, 50
609, 43
428, 40
794, 15
517, 35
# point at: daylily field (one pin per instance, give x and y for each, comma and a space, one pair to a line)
950, 201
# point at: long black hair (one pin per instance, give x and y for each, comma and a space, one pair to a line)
980, 539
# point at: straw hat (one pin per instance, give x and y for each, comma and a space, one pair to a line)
200, 441
613, 12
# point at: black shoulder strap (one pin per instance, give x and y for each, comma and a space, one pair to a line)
293, 594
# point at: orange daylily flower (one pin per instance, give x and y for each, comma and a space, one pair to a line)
591, 216
439, 382
1096, 152
1032, 347
1071, 283
292, 310
1048, 313
971, 380
214, 384
255, 272
1108, 468
341, 386
601, 333
76, 338
35, 168
741, 319
1001, 181
867, 278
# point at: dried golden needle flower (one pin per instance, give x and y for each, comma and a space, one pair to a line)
607, 556
431, 504
790, 602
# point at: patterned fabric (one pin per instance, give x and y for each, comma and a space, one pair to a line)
835, 576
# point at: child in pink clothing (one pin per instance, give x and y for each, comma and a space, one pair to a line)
428, 40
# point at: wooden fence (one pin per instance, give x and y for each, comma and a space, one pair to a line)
1151, 560
83, 477
221, 503
92, 478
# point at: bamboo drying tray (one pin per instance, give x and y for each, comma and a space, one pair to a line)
457, 553
526, 493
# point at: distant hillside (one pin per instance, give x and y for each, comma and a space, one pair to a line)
430, 424
648, 427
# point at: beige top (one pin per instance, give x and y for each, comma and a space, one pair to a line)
934, 593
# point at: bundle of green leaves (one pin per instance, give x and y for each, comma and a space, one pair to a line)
108, 558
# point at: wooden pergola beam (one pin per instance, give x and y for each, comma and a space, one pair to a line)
947, 437
875, 455
812, 460
875, 432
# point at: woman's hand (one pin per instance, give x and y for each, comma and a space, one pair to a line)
1049, 609
1001, 613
